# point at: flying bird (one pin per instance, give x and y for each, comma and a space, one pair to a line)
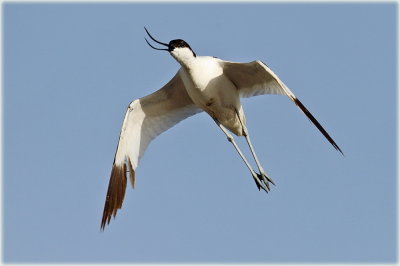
203, 83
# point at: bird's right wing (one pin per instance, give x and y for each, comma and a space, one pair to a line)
256, 78
145, 119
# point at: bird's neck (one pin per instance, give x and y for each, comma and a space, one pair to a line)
184, 56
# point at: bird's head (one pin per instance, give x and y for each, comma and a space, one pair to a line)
178, 48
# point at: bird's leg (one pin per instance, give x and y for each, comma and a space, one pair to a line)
255, 176
262, 174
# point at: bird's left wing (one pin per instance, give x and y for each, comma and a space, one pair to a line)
256, 78
145, 119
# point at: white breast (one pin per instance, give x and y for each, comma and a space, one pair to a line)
204, 70
205, 82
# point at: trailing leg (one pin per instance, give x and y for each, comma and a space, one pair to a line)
255, 176
262, 175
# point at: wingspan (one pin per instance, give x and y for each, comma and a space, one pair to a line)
145, 119
256, 78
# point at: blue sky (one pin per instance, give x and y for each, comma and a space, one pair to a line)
70, 70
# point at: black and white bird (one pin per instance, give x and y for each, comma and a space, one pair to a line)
203, 83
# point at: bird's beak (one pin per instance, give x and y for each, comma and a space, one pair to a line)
155, 41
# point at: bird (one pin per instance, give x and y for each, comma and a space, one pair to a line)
202, 84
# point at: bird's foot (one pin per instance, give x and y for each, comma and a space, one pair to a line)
262, 181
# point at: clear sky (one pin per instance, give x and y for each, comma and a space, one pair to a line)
70, 70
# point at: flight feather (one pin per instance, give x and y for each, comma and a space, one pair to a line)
145, 119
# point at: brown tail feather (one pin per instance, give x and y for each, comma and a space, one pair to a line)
115, 193
131, 173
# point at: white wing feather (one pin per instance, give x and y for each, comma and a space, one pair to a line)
145, 119
139, 128
256, 78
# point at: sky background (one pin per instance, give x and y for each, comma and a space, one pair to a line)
70, 70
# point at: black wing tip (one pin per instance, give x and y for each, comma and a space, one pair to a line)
338, 149
316, 123
115, 194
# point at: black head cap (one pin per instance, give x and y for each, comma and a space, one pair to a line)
178, 43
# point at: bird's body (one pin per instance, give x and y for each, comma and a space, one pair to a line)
203, 83
213, 91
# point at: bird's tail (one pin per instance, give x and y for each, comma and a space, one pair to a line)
116, 190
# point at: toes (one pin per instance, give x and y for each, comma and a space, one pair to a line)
265, 176
259, 183
272, 181
262, 181
265, 180
266, 183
